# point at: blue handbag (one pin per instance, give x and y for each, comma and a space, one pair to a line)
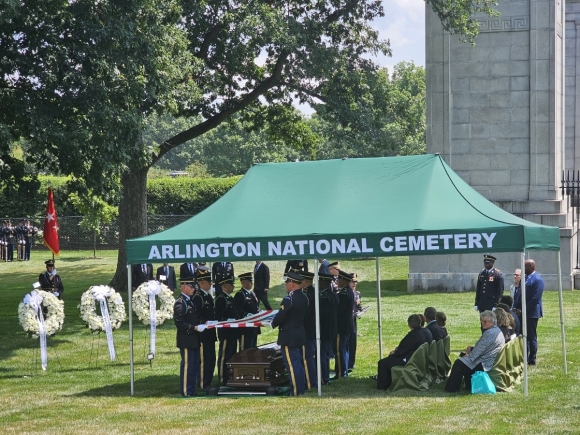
481, 384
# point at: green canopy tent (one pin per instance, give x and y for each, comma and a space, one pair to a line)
372, 207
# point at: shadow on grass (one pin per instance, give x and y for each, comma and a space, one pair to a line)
151, 386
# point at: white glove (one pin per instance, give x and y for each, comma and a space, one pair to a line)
231, 320
211, 322
57, 294
493, 309
200, 328
475, 308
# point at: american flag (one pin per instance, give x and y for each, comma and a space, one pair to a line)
263, 318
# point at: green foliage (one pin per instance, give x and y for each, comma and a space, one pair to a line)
94, 210
185, 195
197, 170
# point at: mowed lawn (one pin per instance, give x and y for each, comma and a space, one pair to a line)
83, 392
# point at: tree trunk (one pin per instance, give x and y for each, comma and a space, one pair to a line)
132, 218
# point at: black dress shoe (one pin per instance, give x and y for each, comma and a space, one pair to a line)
325, 382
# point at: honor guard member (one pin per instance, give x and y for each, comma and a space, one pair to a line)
10, 233
489, 285
296, 266
3, 243
19, 231
333, 269
29, 232
219, 272
345, 324
50, 281
187, 323
246, 303
225, 310
141, 273
204, 307
328, 307
352, 341
168, 272
262, 283
291, 334
310, 329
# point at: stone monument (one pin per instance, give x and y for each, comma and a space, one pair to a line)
502, 114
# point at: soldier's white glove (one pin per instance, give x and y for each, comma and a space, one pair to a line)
57, 294
493, 309
475, 308
201, 328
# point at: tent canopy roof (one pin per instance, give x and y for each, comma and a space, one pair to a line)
349, 208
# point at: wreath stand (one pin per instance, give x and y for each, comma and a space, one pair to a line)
34, 361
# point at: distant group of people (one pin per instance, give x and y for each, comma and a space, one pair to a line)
16, 238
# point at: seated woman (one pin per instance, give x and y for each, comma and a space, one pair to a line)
441, 319
503, 323
479, 357
399, 357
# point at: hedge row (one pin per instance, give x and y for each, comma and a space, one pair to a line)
178, 196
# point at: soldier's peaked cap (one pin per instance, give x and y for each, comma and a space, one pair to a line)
344, 275
247, 276
335, 265
202, 275
49, 263
228, 280
306, 275
294, 277
488, 258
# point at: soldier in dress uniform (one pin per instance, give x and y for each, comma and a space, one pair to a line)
188, 325
219, 272
20, 242
296, 266
29, 232
310, 329
489, 285
225, 309
204, 307
246, 303
352, 341
3, 243
333, 269
50, 281
345, 324
328, 306
291, 334
10, 235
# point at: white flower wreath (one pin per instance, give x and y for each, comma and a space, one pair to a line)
141, 302
115, 304
53, 319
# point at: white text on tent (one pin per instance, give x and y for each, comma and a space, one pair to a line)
437, 241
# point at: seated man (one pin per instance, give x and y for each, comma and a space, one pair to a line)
479, 357
399, 357
436, 331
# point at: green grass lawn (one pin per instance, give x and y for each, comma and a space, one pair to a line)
82, 392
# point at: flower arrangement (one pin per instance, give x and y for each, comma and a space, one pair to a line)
141, 302
51, 306
115, 305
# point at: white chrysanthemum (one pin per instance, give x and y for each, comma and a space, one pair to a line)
88, 308
141, 302
53, 313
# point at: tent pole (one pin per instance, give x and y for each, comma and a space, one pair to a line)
562, 332
317, 318
524, 324
379, 323
131, 366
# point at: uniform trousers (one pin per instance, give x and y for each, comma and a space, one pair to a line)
460, 371
352, 347
293, 361
325, 356
531, 327
226, 351
342, 356
248, 341
188, 370
207, 364
310, 363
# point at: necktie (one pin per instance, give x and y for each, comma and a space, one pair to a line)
191, 268
144, 269
166, 272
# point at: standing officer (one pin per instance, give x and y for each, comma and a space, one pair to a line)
296, 266
489, 285
291, 334
246, 303
187, 323
345, 324
352, 341
219, 272
204, 307
328, 308
29, 232
50, 281
169, 273
225, 310
310, 329
10, 234
262, 283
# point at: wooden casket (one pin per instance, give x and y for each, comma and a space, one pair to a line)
258, 368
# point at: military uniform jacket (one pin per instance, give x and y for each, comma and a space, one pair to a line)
219, 272
224, 310
204, 308
489, 288
290, 319
51, 286
344, 319
296, 265
328, 309
185, 318
310, 317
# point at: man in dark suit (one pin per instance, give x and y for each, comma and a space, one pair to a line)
169, 273
328, 307
534, 308
246, 303
310, 329
225, 309
262, 283
187, 323
437, 332
219, 272
50, 281
141, 273
204, 308
345, 324
489, 285
187, 271
291, 334
399, 357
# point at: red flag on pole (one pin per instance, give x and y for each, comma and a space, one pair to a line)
50, 234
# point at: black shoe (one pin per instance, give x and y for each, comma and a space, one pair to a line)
373, 377
531, 363
326, 383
